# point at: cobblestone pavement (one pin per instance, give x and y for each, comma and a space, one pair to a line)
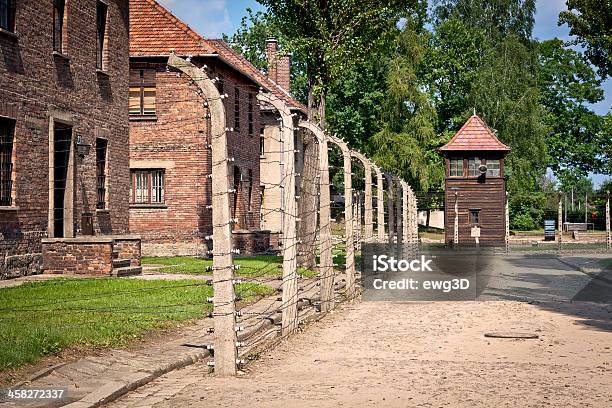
428, 354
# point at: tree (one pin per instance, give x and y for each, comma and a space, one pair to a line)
567, 85
591, 22
408, 141
332, 37
250, 40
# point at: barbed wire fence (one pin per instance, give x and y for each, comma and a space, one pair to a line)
238, 326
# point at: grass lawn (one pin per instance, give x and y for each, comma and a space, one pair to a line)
251, 266
42, 318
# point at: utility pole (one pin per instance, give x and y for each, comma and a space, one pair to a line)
224, 308
290, 288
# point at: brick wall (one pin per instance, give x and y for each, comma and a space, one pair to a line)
128, 247
175, 141
37, 88
75, 257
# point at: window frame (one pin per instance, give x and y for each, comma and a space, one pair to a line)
6, 174
236, 109
10, 16
59, 18
101, 174
144, 83
460, 168
488, 163
101, 35
148, 173
474, 172
477, 213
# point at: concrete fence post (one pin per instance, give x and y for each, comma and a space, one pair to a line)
560, 221
390, 205
348, 217
290, 286
507, 222
224, 312
380, 205
608, 234
326, 262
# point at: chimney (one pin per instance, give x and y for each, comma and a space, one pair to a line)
272, 47
279, 68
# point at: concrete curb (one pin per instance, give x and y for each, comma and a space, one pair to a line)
593, 273
113, 390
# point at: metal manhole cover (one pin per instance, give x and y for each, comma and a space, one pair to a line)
511, 335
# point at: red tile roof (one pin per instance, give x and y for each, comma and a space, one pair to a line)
155, 31
475, 135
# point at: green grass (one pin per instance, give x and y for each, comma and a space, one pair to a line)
251, 266
43, 318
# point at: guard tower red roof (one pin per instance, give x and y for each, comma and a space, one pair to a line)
475, 135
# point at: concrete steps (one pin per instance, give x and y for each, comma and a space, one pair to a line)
127, 271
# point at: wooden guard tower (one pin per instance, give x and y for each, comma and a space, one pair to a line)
475, 191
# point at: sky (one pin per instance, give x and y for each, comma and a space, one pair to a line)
212, 18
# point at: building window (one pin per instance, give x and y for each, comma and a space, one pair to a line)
101, 148
473, 165
7, 15
142, 92
250, 191
250, 114
7, 131
59, 7
237, 109
101, 14
147, 187
262, 143
220, 84
475, 217
493, 168
456, 167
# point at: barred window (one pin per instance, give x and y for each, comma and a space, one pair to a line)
101, 150
456, 167
237, 109
59, 7
7, 15
142, 92
493, 168
473, 165
101, 14
147, 187
7, 130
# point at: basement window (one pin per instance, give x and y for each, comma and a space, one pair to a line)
142, 93
7, 132
147, 187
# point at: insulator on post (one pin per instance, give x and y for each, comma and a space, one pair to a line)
209, 269
241, 343
231, 190
210, 299
231, 159
239, 328
235, 267
210, 347
209, 207
210, 363
237, 282
210, 330
209, 315
238, 313
209, 176
236, 251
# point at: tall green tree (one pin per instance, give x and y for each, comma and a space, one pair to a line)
408, 140
576, 140
591, 22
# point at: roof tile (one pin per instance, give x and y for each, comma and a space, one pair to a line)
475, 135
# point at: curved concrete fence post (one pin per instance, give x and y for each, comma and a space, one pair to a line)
223, 273
348, 216
326, 262
290, 287
390, 205
380, 206
399, 221
368, 206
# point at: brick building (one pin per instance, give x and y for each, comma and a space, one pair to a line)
169, 133
64, 159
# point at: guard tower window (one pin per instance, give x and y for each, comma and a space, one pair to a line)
456, 168
475, 217
473, 165
493, 168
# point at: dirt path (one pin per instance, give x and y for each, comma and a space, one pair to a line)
418, 354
